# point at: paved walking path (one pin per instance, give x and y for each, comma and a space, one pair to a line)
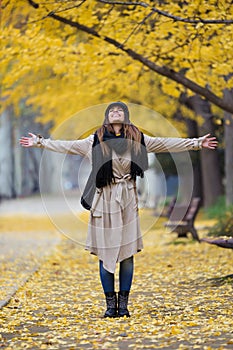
20, 256
41, 204
24, 240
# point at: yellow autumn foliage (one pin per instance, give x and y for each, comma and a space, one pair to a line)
61, 70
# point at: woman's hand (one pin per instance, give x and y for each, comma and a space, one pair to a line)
28, 141
209, 142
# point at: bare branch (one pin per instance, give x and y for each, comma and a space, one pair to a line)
33, 4
70, 8
168, 15
137, 26
162, 70
153, 10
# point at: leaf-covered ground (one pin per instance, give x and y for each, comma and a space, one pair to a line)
179, 300
24, 243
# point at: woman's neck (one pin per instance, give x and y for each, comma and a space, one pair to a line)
117, 128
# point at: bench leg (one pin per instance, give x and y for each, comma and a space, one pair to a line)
182, 235
194, 234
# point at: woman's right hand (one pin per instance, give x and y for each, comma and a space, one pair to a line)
28, 141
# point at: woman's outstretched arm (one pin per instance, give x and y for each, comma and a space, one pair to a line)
81, 147
170, 144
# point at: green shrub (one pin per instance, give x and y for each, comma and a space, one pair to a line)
217, 210
224, 226
224, 215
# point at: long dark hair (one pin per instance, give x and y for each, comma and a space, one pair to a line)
131, 133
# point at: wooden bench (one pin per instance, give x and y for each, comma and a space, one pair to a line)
181, 219
168, 209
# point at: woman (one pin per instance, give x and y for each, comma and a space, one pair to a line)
119, 154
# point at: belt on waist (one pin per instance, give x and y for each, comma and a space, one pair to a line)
123, 184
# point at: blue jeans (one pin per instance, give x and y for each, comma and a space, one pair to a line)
125, 276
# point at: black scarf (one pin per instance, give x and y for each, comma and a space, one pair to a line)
102, 164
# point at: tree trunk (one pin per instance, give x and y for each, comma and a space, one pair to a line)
6, 156
210, 169
51, 172
228, 135
17, 159
192, 128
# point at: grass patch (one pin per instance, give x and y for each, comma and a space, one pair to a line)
224, 216
216, 210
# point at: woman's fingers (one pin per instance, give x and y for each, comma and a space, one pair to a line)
207, 138
22, 141
212, 141
211, 138
24, 138
26, 141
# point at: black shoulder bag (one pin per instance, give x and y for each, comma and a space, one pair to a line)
90, 187
89, 192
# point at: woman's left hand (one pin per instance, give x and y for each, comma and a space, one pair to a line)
209, 142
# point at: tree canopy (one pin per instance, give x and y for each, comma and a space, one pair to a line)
62, 56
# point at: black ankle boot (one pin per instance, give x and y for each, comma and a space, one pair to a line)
111, 301
123, 297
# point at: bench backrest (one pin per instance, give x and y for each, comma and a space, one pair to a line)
193, 209
185, 213
170, 207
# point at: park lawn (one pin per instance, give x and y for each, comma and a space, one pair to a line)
179, 297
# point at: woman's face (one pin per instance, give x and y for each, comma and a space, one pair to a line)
116, 115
